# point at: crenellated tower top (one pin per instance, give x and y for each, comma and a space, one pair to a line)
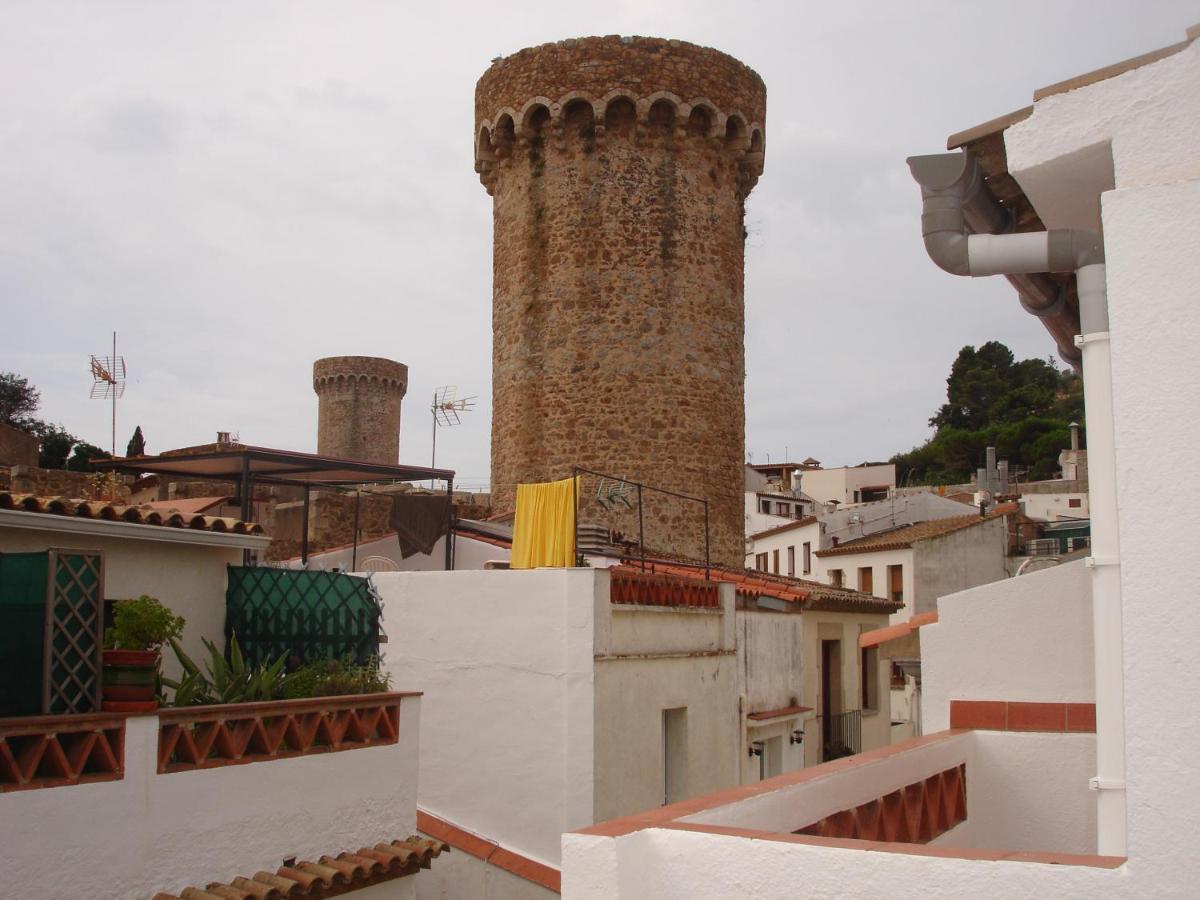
595, 90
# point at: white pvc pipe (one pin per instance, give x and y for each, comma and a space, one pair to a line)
1008, 254
1104, 563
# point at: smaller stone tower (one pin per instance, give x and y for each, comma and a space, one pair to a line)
359, 407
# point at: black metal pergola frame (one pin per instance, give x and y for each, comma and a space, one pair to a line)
245, 465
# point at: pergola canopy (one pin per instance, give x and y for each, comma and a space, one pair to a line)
265, 465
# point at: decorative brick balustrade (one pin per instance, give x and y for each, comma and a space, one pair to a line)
914, 814
50, 751
204, 737
631, 587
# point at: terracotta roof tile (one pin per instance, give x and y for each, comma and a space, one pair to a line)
330, 876
892, 632
116, 512
907, 535
810, 595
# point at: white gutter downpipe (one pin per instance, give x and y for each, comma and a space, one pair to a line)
956, 204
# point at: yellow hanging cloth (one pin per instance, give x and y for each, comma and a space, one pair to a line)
544, 524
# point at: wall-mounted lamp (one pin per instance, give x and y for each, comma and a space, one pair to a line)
797, 736
756, 748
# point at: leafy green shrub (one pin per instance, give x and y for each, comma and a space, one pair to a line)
142, 624
227, 680
333, 677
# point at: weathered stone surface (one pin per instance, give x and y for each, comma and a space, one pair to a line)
619, 169
358, 413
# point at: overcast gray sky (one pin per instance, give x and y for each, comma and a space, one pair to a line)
241, 188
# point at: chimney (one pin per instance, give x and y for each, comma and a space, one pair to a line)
1074, 426
222, 437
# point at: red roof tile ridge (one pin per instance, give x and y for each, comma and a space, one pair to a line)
120, 512
330, 875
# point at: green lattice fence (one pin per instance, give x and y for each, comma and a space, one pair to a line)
307, 615
51, 618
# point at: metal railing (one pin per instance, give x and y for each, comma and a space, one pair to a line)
841, 734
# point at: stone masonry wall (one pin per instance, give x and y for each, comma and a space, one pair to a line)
358, 413
17, 448
619, 169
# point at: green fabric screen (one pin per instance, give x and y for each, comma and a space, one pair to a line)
304, 615
23, 579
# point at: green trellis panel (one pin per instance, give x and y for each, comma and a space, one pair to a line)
51, 611
305, 615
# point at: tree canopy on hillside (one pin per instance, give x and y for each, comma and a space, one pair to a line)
1022, 408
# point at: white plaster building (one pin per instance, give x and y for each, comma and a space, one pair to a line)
557, 698
789, 547
848, 484
917, 564
1058, 755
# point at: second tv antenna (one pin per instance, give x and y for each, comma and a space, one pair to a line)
446, 408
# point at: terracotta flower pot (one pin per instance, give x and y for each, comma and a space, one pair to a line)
130, 682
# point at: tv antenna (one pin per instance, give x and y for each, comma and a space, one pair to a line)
108, 383
446, 408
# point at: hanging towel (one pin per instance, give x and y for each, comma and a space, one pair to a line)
544, 525
419, 520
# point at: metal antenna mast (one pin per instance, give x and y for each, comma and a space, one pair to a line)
108, 383
446, 409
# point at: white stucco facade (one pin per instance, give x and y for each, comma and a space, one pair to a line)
1053, 507
846, 484
150, 832
1026, 639
545, 701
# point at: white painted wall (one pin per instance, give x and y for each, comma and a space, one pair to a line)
505, 661
1027, 638
189, 579
1052, 507
1024, 792
1028, 791
674, 863
460, 876
149, 832
840, 484
877, 561
794, 538
649, 659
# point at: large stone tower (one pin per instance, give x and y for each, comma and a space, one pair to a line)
619, 169
358, 407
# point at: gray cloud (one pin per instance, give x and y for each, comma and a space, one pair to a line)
240, 189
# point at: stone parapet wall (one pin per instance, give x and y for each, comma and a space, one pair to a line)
63, 483
619, 169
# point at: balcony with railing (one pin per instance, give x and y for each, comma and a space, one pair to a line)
129, 805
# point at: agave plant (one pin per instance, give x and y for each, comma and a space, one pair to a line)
226, 680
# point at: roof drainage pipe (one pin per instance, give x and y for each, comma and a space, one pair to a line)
956, 203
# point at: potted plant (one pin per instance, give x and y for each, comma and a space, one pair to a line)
131, 653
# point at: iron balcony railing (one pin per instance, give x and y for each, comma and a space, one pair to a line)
841, 734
